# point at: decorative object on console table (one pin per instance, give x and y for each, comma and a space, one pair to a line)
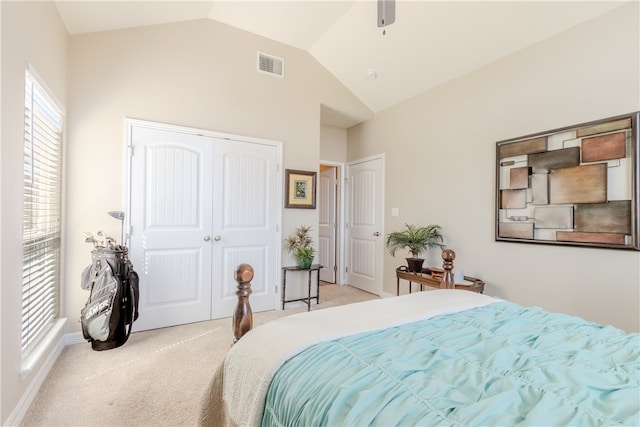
437, 273
300, 189
577, 185
436, 277
418, 240
305, 262
300, 245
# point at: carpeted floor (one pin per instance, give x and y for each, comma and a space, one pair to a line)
158, 378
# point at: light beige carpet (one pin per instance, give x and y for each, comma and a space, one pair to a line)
158, 378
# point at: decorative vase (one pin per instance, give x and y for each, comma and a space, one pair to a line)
415, 264
305, 261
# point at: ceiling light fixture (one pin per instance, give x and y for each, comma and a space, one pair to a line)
386, 13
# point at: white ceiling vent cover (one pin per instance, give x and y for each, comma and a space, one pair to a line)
270, 64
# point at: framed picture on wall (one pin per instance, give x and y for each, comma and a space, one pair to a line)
300, 189
576, 186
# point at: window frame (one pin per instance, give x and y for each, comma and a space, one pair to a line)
43, 160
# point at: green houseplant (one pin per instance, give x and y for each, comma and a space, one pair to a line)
300, 245
417, 240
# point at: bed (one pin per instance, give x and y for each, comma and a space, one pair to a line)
442, 357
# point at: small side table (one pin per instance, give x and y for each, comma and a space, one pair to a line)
314, 267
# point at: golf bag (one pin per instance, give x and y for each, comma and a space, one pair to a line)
112, 307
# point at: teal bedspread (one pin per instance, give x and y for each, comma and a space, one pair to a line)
498, 365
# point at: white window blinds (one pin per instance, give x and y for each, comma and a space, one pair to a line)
42, 210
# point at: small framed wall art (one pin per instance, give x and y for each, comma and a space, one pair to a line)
300, 189
572, 186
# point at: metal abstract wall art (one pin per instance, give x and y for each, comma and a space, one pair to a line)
574, 186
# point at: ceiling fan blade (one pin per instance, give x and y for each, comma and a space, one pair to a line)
386, 12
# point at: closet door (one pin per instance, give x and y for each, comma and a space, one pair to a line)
245, 220
171, 217
199, 207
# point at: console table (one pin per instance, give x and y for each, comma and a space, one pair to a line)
314, 267
425, 278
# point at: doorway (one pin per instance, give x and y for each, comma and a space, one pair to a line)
328, 222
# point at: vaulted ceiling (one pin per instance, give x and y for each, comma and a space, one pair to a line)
430, 42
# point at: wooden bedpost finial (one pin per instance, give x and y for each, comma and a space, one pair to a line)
242, 316
448, 255
244, 273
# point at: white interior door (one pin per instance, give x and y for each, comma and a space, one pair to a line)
246, 208
327, 224
171, 215
199, 207
365, 224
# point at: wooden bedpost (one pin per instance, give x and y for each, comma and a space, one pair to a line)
448, 256
243, 317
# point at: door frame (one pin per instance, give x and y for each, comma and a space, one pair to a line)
129, 123
341, 275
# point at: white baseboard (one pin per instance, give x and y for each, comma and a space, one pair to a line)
18, 413
386, 295
74, 338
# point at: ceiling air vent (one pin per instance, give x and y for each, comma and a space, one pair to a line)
270, 64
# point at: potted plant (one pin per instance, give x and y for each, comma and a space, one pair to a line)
417, 240
299, 244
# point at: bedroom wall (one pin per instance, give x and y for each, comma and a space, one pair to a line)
200, 74
32, 32
441, 168
333, 144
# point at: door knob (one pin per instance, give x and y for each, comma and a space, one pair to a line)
217, 238
207, 238
376, 233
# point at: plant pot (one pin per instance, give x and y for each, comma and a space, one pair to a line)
415, 264
304, 261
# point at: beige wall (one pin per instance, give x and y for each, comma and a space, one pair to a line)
32, 32
441, 168
333, 144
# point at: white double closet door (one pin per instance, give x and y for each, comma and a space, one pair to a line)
198, 207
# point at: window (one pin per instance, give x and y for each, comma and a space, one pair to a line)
41, 228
